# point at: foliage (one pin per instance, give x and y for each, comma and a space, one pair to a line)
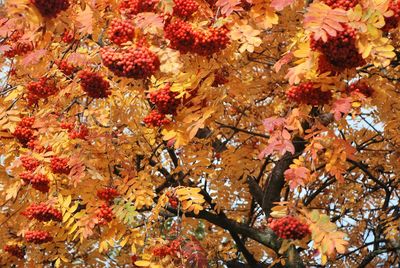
200, 133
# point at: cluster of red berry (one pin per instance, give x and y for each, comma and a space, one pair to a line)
68, 36
181, 35
17, 46
81, 133
185, 8
289, 227
393, 21
29, 163
173, 200
156, 119
51, 9
41, 89
360, 87
308, 93
24, 132
65, 67
184, 38
131, 8
94, 84
340, 51
104, 214
136, 62
42, 212
59, 165
165, 100
173, 248
121, 31
343, 4
107, 194
38, 237
15, 250
38, 181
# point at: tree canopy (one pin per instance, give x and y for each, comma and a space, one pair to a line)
199, 133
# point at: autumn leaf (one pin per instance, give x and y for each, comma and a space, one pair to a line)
247, 36
85, 20
341, 107
297, 176
280, 143
34, 57
228, 6
327, 240
322, 21
279, 5
283, 61
272, 123
149, 22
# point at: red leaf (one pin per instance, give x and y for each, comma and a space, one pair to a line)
341, 107
283, 61
296, 176
85, 21
281, 4
272, 123
34, 57
149, 20
4, 48
279, 142
229, 6
195, 254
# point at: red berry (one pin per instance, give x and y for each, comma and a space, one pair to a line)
184, 38
67, 125
165, 100
307, 93
42, 212
121, 31
360, 87
38, 237
133, 7
81, 133
343, 4
107, 194
38, 181
29, 163
68, 36
289, 228
59, 165
94, 84
65, 67
181, 35
185, 8
172, 199
17, 45
156, 119
173, 248
41, 89
136, 62
15, 250
104, 214
340, 51
211, 41
24, 132
51, 9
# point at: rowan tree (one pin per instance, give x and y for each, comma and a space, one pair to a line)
199, 133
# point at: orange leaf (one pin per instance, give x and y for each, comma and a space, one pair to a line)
323, 21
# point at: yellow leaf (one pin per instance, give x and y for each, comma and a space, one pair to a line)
142, 263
